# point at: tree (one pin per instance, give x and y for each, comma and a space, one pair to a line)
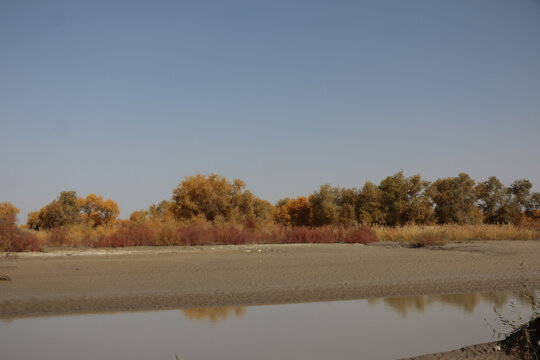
323, 208
216, 199
96, 211
346, 203
454, 199
262, 210
294, 212
520, 190
63, 211
404, 200
369, 205
138, 216
32, 221
8, 213
491, 196
161, 211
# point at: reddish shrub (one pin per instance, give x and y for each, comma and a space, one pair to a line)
231, 235
59, 237
251, 223
196, 235
361, 235
89, 240
13, 239
136, 235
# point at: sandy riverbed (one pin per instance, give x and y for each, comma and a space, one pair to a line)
76, 281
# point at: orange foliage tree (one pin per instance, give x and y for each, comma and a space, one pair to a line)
97, 211
8, 212
295, 212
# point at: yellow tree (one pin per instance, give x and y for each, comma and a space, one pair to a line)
138, 216
97, 211
32, 221
8, 212
214, 198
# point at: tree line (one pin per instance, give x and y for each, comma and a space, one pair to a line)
397, 201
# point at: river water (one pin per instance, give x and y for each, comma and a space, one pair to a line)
383, 328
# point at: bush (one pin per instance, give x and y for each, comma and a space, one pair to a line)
231, 235
59, 237
135, 235
196, 235
13, 239
361, 235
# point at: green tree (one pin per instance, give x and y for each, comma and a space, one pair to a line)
491, 198
521, 190
64, 211
347, 205
323, 208
516, 201
404, 200
454, 199
369, 205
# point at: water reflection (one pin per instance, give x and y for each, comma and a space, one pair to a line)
402, 305
311, 331
468, 302
214, 314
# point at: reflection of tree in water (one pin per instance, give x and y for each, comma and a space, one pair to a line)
403, 304
214, 314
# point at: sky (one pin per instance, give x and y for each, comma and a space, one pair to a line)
125, 99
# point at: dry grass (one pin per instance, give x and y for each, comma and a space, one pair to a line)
436, 234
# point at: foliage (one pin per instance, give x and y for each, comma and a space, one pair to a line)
293, 212
208, 209
369, 205
138, 216
135, 235
59, 237
64, 211
96, 211
404, 200
454, 199
8, 212
323, 205
490, 195
13, 239
161, 211
217, 199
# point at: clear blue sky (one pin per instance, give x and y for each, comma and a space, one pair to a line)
126, 98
